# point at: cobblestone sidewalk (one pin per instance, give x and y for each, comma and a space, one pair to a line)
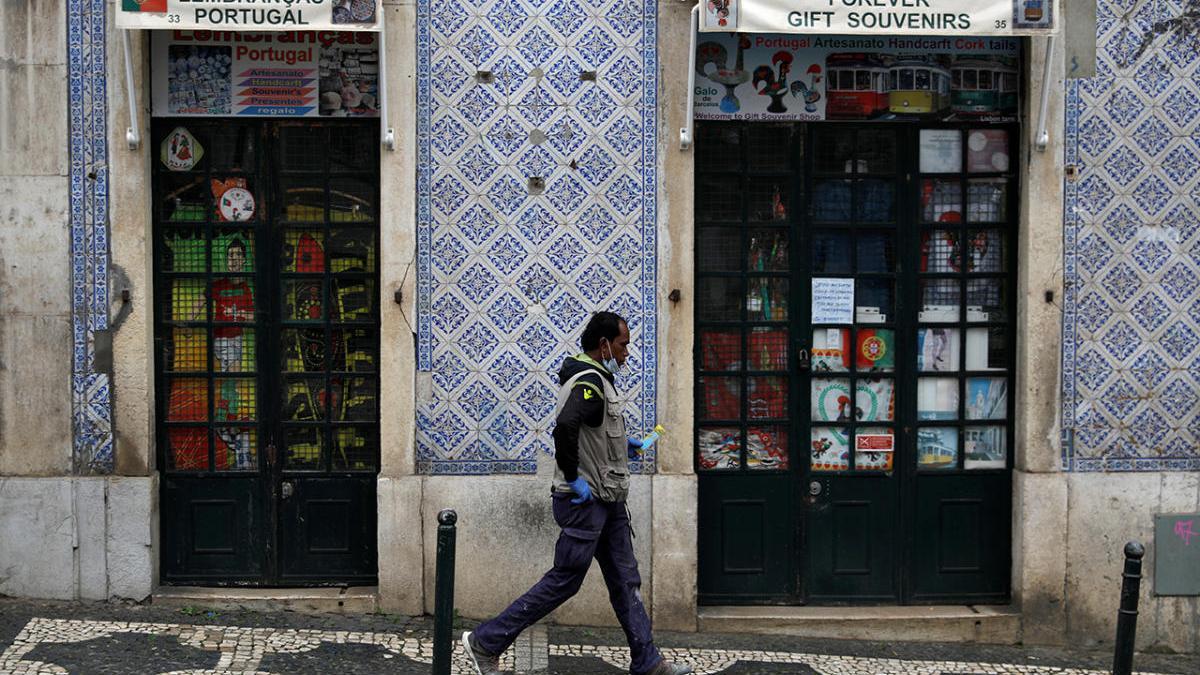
99, 638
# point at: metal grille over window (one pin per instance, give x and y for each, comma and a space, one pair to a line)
267, 283
746, 211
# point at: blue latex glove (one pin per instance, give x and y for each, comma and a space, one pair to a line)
580, 486
635, 448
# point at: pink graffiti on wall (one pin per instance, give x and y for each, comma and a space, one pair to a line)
1183, 529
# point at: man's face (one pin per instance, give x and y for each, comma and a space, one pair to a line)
620, 345
235, 258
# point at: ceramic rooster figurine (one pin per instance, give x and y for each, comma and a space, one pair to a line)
714, 54
808, 93
775, 85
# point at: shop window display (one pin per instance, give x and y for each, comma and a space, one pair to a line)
225, 233
960, 211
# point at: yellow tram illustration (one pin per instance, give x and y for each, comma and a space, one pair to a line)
918, 87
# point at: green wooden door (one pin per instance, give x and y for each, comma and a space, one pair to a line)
824, 354
267, 341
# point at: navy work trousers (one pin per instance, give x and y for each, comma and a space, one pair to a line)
591, 529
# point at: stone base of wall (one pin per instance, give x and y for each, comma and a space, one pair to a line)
1072, 530
79, 538
505, 542
97, 539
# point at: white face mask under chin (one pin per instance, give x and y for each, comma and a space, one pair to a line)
611, 362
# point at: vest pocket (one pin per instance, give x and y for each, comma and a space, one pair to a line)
614, 428
616, 444
617, 480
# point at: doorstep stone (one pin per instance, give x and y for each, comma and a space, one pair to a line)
942, 623
353, 600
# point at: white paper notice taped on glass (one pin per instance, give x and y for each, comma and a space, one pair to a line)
832, 300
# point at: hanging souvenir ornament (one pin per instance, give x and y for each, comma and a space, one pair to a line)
234, 202
180, 150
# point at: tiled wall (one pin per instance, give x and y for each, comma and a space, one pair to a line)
507, 277
509, 270
91, 399
1131, 362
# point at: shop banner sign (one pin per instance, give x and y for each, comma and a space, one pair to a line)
255, 15
881, 17
277, 74
782, 77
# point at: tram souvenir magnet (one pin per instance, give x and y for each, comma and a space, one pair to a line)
180, 151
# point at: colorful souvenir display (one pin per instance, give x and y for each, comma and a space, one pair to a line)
180, 151
830, 450
235, 202
719, 448
767, 449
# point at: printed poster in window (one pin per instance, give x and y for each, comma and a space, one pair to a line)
937, 448
987, 398
764, 76
984, 447
937, 349
270, 74
830, 450
829, 353
941, 151
987, 151
876, 350
875, 400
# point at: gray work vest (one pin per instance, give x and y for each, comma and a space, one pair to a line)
603, 461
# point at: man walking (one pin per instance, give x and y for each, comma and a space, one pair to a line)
591, 483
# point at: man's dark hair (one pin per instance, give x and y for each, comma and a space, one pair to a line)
602, 326
235, 243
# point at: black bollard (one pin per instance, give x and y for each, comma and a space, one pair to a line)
443, 592
1131, 581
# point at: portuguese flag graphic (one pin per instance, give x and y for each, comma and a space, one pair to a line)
144, 5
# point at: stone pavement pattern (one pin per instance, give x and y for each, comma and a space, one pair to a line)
63, 638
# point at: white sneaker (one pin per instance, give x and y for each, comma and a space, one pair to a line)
664, 667
483, 662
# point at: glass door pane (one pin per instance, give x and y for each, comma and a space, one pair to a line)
744, 303
853, 253
963, 334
